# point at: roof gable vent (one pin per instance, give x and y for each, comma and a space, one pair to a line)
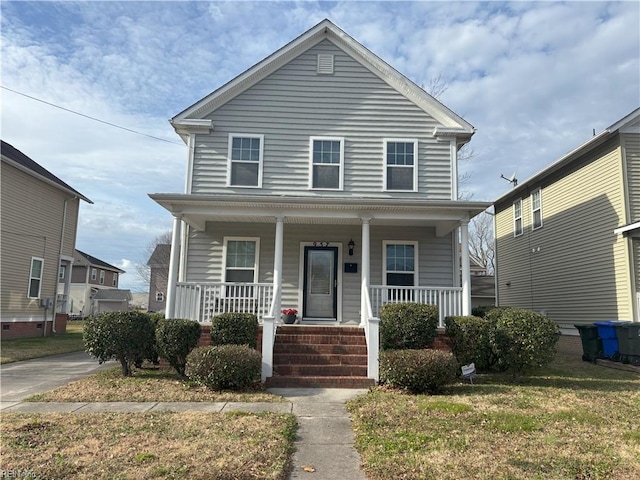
325, 63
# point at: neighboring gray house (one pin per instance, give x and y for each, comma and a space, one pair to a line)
158, 273
38, 227
324, 180
110, 300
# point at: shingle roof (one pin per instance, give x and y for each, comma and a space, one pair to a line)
113, 295
22, 160
160, 256
99, 263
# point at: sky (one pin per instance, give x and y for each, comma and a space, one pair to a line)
534, 78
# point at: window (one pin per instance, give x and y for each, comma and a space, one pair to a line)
62, 272
94, 274
326, 163
115, 280
241, 265
101, 277
400, 173
159, 297
517, 218
35, 277
536, 209
245, 160
400, 263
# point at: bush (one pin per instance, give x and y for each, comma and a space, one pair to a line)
407, 325
119, 335
523, 339
470, 340
221, 367
175, 338
418, 371
151, 352
235, 329
482, 310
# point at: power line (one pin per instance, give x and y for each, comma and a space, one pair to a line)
89, 117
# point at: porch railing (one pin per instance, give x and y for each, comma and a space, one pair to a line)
447, 299
202, 301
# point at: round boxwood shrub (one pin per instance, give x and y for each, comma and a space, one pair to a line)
224, 367
175, 338
407, 325
235, 329
523, 339
119, 335
419, 371
470, 340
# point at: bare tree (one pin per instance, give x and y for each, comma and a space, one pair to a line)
142, 266
481, 240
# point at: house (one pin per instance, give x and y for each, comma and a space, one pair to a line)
38, 229
89, 276
568, 238
110, 300
158, 273
320, 179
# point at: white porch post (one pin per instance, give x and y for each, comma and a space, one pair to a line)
174, 263
466, 269
366, 269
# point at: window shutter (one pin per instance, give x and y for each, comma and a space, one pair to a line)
325, 63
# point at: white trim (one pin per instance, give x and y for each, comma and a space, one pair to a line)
94, 273
325, 64
191, 144
533, 210
515, 231
453, 147
114, 279
338, 275
415, 244
230, 161
340, 165
627, 228
31, 277
103, 276
414, 141
256, 260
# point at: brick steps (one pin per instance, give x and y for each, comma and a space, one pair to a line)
320, 357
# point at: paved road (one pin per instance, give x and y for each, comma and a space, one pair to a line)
20, 380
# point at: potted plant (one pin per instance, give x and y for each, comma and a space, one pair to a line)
289, 315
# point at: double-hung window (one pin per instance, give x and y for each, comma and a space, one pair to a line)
114, 282
94, 274
159, 297
35, 277
400, 262
536, 209
245, 160
62, 272
102, 274
400, 170
327, 163
517, 218
241, 265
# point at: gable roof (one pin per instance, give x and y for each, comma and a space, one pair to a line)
15, 157
627, 124
160, 256
192, 118
96, 262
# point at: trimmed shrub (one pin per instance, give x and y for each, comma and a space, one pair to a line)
175, 338
419, 371
523, 339
235, 329
151, 352
118, 335
470, 340
224, 367
407, 325
482, 310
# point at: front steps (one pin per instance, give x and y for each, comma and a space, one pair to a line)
319, 357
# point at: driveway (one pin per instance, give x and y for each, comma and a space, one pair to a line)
20, 380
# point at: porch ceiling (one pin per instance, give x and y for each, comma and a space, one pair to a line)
196, 210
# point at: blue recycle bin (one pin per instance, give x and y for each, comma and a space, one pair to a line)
607, 332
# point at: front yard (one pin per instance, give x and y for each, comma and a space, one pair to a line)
573, 420
17, 349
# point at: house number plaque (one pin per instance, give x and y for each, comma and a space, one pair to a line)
320, 244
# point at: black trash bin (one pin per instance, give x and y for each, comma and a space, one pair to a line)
591, 343
629, 342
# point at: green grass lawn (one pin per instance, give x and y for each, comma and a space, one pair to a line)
572, 420
14, 350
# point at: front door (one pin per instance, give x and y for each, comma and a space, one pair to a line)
320, 283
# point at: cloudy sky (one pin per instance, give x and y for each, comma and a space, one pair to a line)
535, 79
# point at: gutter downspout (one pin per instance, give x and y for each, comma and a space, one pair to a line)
55, 291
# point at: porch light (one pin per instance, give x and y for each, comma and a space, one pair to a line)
351, 244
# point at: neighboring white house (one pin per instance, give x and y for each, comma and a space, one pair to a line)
320, 179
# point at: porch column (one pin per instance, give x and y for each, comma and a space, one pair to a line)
277, 268
366, 269
174, 263
466, 269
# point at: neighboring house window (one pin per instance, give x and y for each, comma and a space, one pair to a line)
159, 297
115, 280
245, 160
536, 208
327, 157
400, 263
241, 260
94, 274
35, 277
61, 272
400, 173
101, 277
517, 218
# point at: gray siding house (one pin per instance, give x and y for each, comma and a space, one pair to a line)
323, 180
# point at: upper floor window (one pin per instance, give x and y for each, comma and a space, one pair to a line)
62, 272
35, 277
245, 160
400, 172
327, 160
536, 209
94, 274
517, 218
102, 277
115, 280
159, 297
